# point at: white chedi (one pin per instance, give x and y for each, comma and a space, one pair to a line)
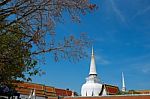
92, 87
123, 83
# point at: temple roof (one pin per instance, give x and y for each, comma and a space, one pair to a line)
41, 90
110, 89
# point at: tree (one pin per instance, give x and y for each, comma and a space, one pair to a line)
15, 58
29, 22
38, 19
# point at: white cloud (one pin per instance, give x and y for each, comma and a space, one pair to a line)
142, 66
145, 68
141, 12
136, 60
101, 60
139, 64
117, 11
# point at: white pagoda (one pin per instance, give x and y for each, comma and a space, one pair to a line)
92, 87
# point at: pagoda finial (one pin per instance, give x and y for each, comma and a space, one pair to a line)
92, 65
123, 83
92, 51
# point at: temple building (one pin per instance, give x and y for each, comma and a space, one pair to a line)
93, 86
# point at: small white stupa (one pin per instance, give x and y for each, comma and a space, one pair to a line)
123, 83
92, 87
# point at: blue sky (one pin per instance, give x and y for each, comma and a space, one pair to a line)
121, 33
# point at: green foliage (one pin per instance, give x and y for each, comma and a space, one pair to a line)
15, 57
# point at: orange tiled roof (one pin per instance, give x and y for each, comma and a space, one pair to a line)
41, 90
111, 90
62, 92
